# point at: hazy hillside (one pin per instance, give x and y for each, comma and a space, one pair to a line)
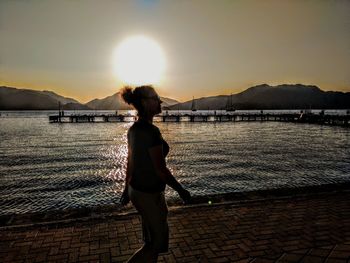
75, 106
274, 97
263, 96
167, 102
205, 103
60, 98
115, 102
25, 99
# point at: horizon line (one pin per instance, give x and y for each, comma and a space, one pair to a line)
199, 97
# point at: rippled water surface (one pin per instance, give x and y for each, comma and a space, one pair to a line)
55, 166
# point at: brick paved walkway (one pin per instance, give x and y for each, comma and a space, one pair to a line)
312, 228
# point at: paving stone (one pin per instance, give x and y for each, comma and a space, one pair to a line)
335, 260
312, 228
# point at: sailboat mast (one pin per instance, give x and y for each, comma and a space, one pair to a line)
193, 106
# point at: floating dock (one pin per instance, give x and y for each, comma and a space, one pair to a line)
338, 120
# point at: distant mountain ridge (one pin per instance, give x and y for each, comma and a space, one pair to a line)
115, 101
61, 99
264, 96
112, 102
26, 99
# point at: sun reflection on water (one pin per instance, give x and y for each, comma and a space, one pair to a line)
117, 154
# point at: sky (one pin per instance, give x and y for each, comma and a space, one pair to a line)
210, 47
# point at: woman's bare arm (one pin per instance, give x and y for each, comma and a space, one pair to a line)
129, 167
124, 199
163, 172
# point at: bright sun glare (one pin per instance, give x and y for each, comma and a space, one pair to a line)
139, 60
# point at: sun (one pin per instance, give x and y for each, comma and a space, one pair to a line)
139, 60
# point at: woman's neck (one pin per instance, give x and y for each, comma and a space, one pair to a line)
146, 118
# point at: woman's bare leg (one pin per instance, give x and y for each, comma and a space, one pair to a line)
144, 254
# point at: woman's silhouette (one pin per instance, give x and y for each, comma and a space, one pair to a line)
147, 174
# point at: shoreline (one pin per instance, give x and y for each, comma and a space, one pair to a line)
67, 216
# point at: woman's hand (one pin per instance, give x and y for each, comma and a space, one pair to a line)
124, 199
185, 196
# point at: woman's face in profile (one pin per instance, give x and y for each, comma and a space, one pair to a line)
153, 102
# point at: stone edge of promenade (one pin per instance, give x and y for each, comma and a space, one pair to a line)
99, 213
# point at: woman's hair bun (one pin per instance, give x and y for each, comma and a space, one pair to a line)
128, 95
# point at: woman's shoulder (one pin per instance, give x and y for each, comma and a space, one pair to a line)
155, 128
143, 127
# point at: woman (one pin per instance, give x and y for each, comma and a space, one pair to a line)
147, 174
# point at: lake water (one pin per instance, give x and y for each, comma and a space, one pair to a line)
56, 166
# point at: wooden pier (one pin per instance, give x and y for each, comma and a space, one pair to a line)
338, 120
82, 118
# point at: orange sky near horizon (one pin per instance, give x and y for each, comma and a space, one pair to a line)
211, 48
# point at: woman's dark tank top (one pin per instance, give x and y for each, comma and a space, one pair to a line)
143, 135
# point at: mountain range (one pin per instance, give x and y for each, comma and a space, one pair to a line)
115, 102
285, 96
26, 99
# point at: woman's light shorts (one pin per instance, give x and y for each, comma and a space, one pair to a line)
154, 211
